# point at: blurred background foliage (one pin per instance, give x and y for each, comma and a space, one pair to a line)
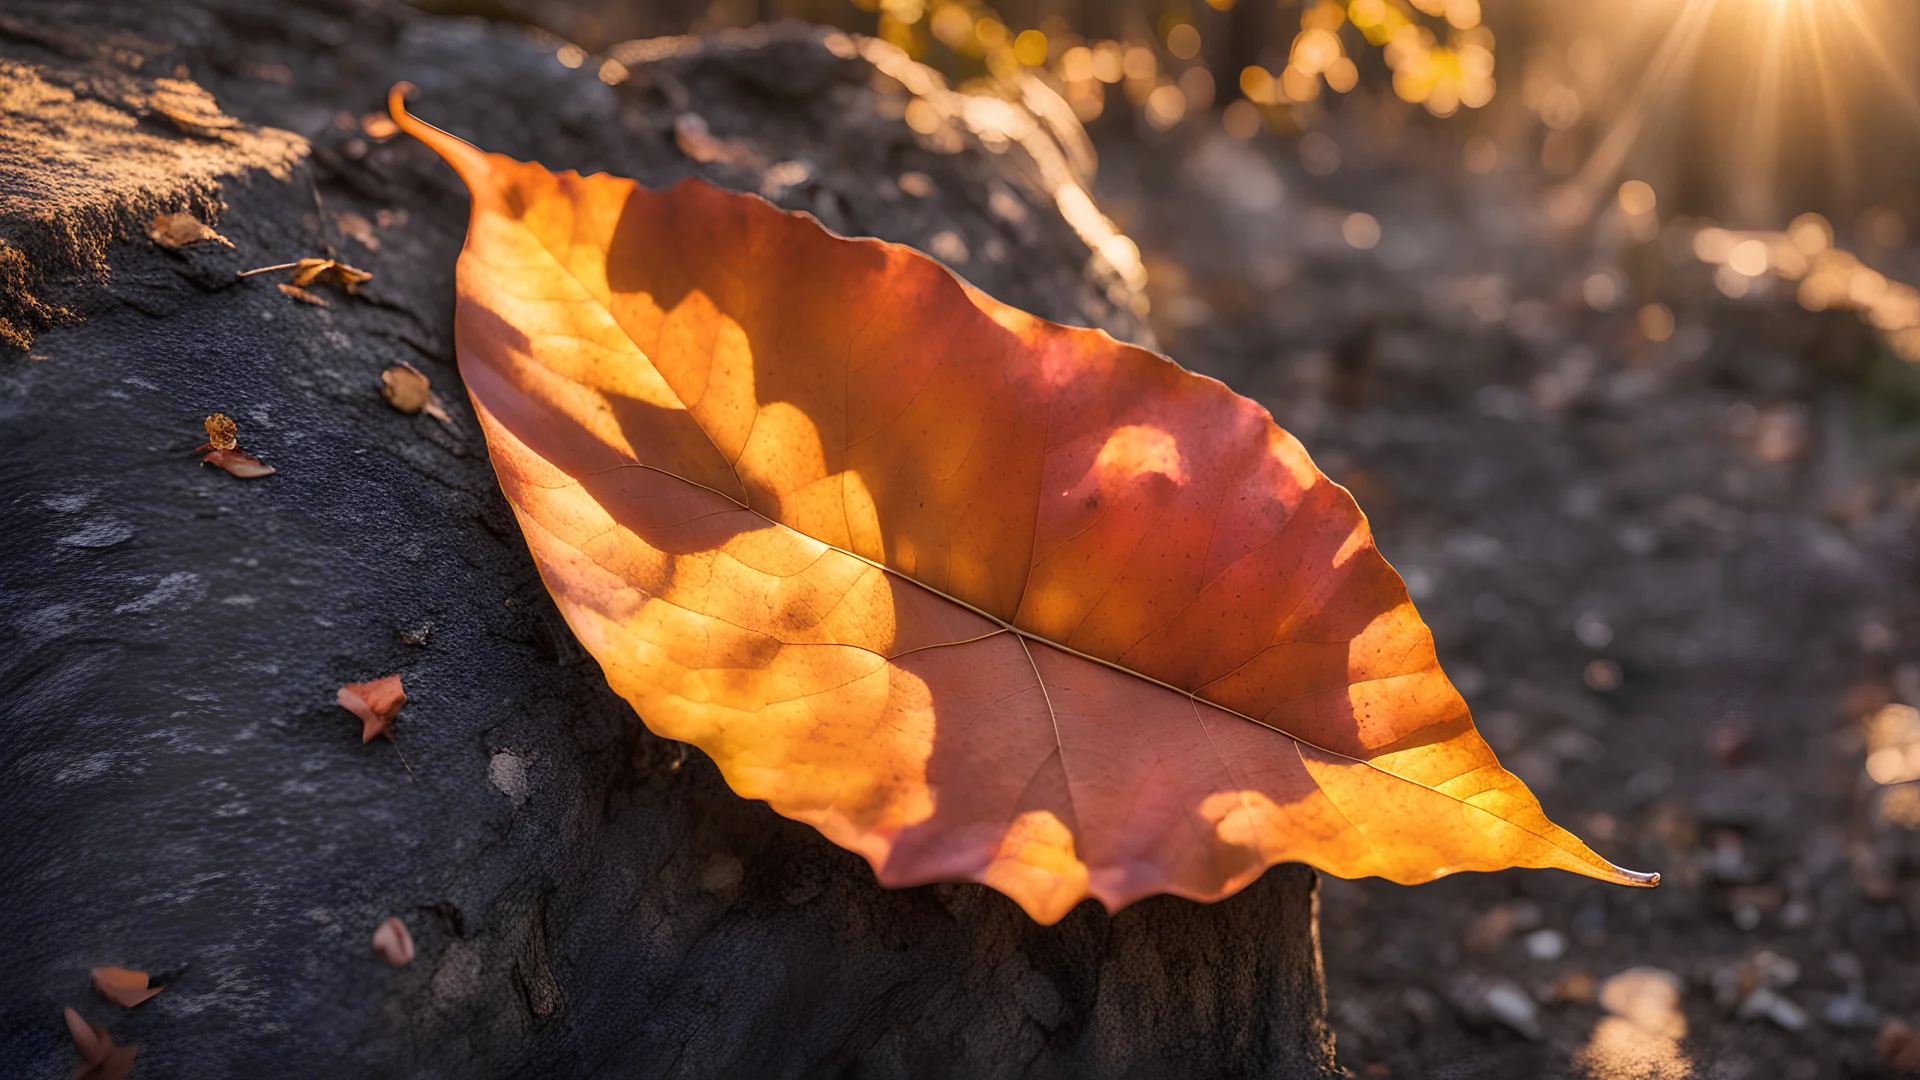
1740, 109
1778, 134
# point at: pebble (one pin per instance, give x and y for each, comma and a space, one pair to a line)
1546, 945
1499, 1000
508, 773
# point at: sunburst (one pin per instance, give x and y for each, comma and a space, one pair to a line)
1787, 54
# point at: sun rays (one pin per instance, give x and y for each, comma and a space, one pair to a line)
1787, 80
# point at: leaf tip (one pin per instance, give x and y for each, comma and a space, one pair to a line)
397, 96
466, 158
1620, 875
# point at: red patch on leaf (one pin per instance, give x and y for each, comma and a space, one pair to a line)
375, 703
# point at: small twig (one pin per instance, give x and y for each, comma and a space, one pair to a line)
265, 270
403, 759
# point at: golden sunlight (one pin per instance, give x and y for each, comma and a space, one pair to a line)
1781, 76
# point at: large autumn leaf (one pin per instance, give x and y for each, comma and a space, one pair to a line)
978, 596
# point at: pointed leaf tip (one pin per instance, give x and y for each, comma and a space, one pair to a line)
467, 159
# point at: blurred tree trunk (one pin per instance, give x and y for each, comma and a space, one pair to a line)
587, 900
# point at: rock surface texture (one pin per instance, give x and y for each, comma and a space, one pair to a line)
185, 797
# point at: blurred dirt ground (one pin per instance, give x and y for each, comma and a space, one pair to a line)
1672, 577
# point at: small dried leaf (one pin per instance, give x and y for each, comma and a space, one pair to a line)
104, 1060
406, 388
697, 141
179, 230
92, 1042
123, 986
303, 295
375, 703
307, 270
328, 272
347, 277
241, 464
358, 227
379, 126
393, 943
222, 432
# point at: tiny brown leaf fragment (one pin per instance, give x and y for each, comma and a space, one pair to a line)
306, 271
406, 388
312, 271
123, 986
329, 272
179, 230
358, 227
303, 295
243, 465
104, 1060
222, 448
222, 432
189, 107
697, 141
393, 943
379, 126
375, 703
87, 1039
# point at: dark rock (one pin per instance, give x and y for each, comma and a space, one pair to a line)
185, 797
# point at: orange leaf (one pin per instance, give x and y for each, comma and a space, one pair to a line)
104, 1060
979, 596
123, 986
375, 703
89, 1040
